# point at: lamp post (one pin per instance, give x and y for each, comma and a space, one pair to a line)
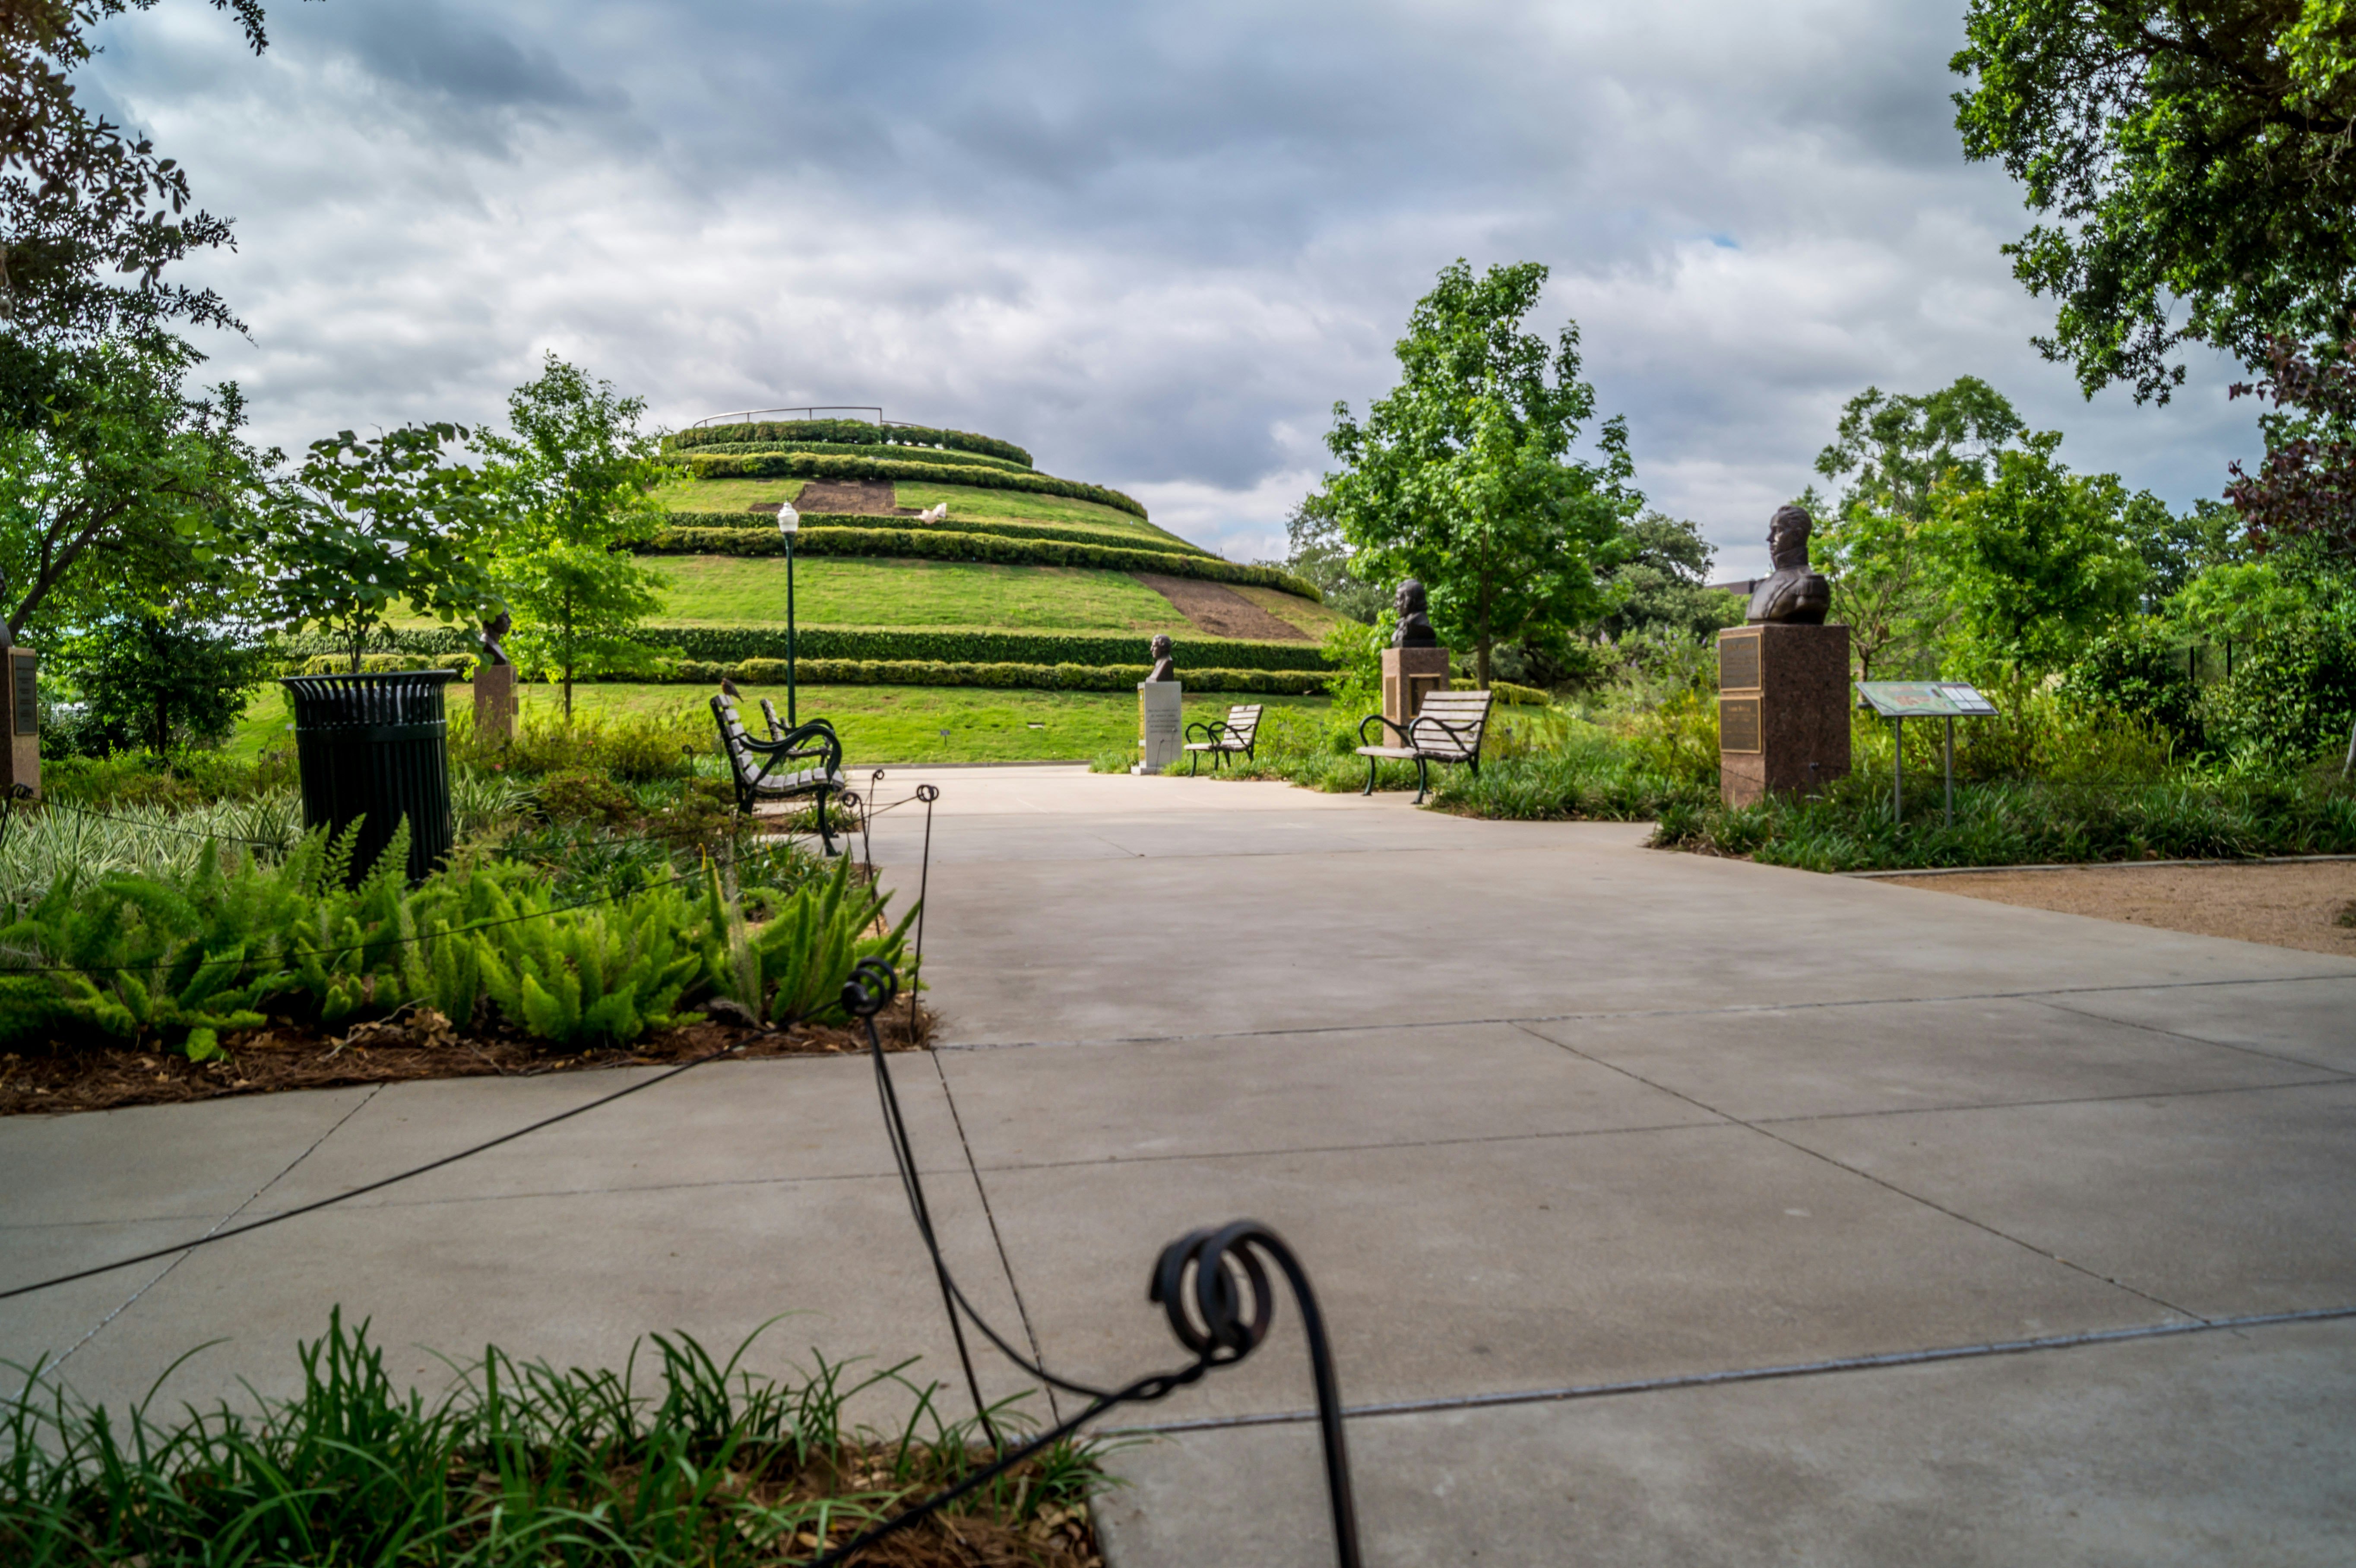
789, 523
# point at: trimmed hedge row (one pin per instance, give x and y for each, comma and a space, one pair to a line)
849, 432
732, 645
756, 521
910, 453
810, 465
940, 544
1021, 676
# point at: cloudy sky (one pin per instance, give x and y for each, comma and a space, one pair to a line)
1152, 244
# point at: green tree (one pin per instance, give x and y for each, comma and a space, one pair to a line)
1660, 585
2036, 561
168, 676
1890, 453
577, 477
2187, 153
1462, 475
110, 478
1318, 554
368, 525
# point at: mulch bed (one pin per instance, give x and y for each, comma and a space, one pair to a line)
1220, 611
874, 497
407, 1046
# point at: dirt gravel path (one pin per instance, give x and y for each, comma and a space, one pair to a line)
1219, 610
2285, 903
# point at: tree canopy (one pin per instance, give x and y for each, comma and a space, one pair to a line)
1462, 475
2188, 153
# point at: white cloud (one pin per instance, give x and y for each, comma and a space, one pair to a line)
1152, 245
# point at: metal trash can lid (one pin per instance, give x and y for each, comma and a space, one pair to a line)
387, 696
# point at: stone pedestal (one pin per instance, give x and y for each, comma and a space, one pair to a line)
1161, 724
495, 702
1410, 674
1782, 709
20, 761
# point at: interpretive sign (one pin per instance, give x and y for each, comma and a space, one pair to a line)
1924, 699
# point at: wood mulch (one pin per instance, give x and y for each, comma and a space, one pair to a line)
1219, 610
2309, 905
872, 497
410, 1045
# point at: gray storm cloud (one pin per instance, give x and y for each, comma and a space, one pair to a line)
1152, 244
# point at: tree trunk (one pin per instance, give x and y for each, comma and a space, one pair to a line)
1483, 663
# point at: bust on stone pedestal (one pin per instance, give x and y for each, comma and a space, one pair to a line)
1414, 665
495, 692
1414, 618
1792, 596
1159, 722
1165, 665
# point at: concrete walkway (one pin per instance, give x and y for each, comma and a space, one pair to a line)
1546, 1114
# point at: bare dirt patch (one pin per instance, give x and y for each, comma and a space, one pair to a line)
2297, 904
873, 497
1221, 611
407, 1046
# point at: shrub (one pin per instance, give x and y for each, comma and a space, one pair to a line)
944, 544
950, 455
2291, 696
811, 466
2140, 668
581, 794
385, 664
731, 646
1021, 676
851, 432
1070, 533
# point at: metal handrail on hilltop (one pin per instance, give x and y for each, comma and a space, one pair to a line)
747, 416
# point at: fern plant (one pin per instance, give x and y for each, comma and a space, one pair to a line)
606, 973
791, 970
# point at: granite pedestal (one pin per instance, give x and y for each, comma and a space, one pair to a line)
20, 760
1782, 709
1410, 674
495, 702
1159, 723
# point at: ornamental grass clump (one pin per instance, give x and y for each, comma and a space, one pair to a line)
518, 1464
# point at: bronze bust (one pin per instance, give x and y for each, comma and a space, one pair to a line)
1166, 667
1414, 621
495, 631
1793, 595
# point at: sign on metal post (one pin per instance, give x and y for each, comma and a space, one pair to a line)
1898, 701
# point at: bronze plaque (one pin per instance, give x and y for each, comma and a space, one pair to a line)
1738, 723
27, 695
1737, 664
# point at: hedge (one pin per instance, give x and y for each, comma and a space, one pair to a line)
732, 645
940, 544
909, 454
1021, 676
756, 521
848, 433
811, 466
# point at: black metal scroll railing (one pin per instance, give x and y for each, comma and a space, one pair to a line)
1213, 1286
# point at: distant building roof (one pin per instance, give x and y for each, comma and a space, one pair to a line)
1742, 587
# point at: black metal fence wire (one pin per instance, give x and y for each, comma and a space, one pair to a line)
1211, 1285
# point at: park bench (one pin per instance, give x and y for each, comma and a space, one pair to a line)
1447, 728
767, 770
1224, 738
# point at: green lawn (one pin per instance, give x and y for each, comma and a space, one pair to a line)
829, 591
965, 501
878, 724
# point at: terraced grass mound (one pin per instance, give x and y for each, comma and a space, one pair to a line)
1019, 578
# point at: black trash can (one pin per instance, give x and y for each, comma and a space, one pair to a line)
376, 746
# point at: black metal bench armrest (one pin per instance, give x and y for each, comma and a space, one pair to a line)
1405, 739
1211, 729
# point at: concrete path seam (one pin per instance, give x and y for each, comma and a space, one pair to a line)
1931, 1356
1005, 1264
1883, 1183
1736, 1010
2335, 1081
2257, 1050
252, 1197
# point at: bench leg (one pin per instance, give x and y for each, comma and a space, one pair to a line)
1370, 777
824, 836
1423, 779
1192, 758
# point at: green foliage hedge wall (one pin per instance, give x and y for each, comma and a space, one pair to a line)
889, 453
1112, 536
1017, 677
848, 433
732, 645
932, 544
811, 466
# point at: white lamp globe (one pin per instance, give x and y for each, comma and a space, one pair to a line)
788, 520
